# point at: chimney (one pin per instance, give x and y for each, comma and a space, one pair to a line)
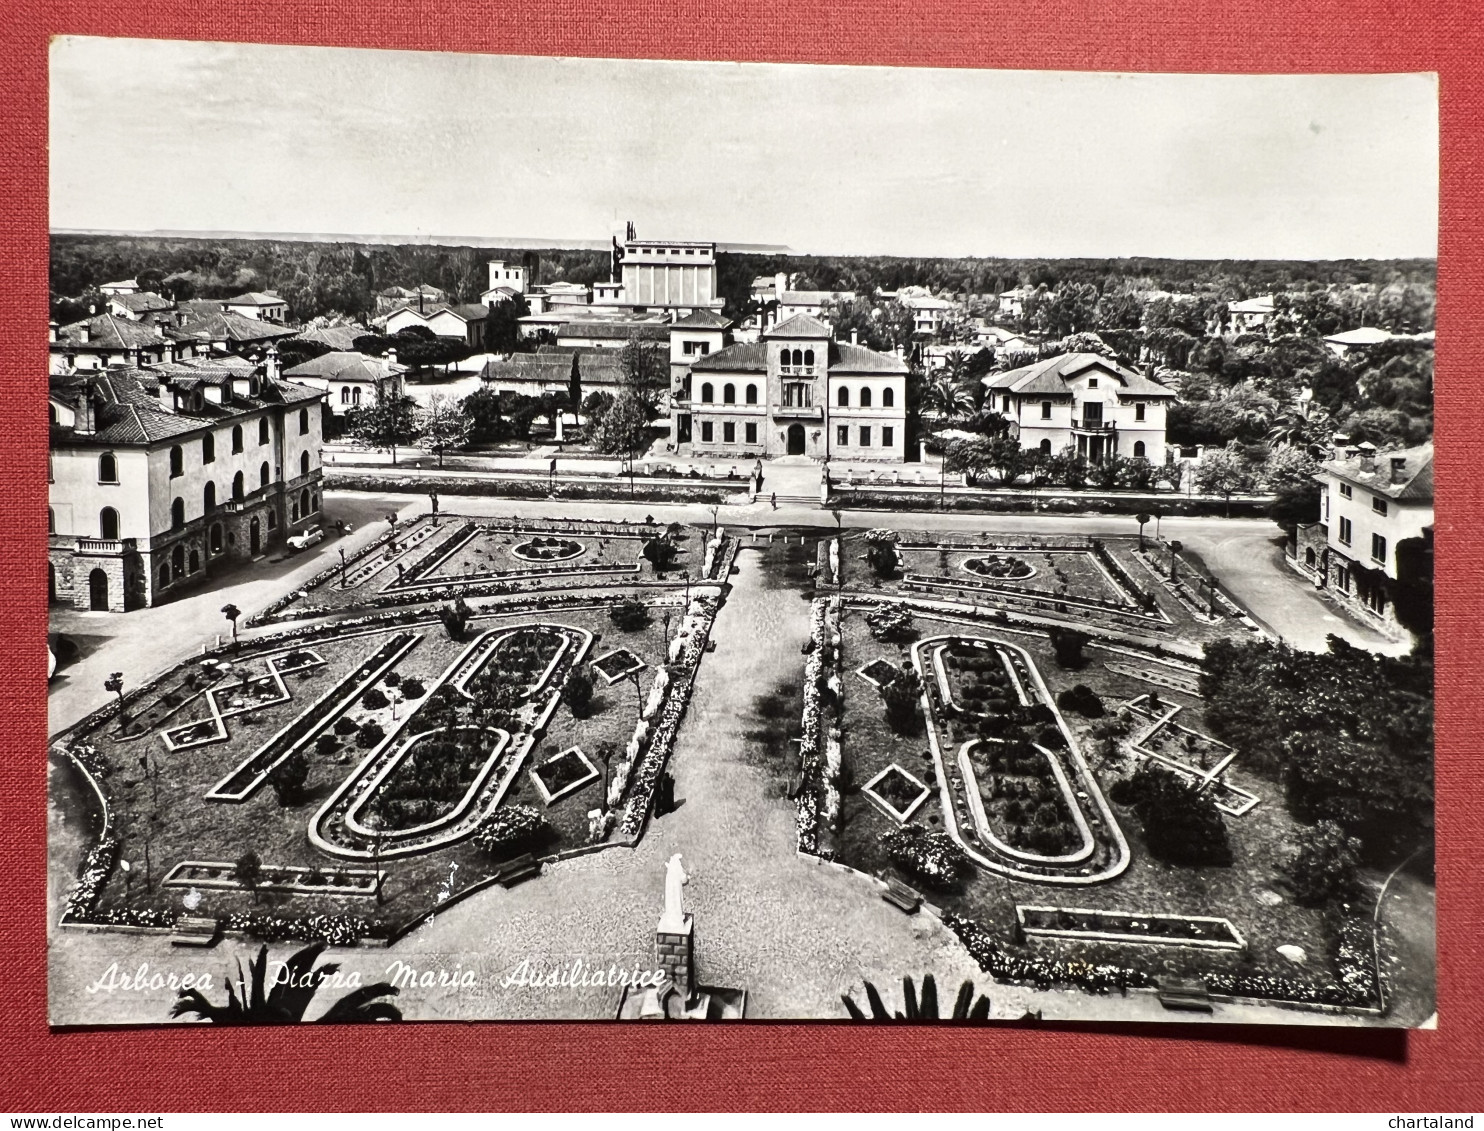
391, 359
85, 333
855, 337
51, 331
1338, 443
180, 317
84, 423
166, 394
270, 364
1398, 469
1367, 456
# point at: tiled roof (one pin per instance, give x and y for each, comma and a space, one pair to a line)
800, 326
142, 302
745, 357
1361, 336
616, 330
255, 298
105, 331
225, 326
554, 367
342, 366
813, 298
336, 337
702, 320
1412, 483
848, 358
1051, 376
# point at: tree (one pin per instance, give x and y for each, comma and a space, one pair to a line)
578, 693
644, 373
1412, 592
574, 388
502, 324
386, 423
624, 428
1181, 823
1325, 867
660, 553
946, 398
1068, 644
455, 618
1223, 473
903, 699
289, 776
629, 615
923, 1007
1142, 519
115, 683
483, 408
248, 871
1082, 699
232, 612
443, 426
286, 1001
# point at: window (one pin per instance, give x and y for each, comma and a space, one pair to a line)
697, 349
728, 433
1092, 382
865, 398
165, 574
798, 395
208, 498
1342, 578
706, 431
1378, 504
1138, 412
272, 520
1346, 532
865, 436
236, 438
177, 462
706, 392
108, 524
263, 474
729, 394
1045, 447
214, 543
208, 449
303, 421
842, 436
1346, 492
1045, 410
888, 398
303, 463
355, 396
842, 398
888, 437
1004, 404
345, 394
262, 431
177, 514
304, 507
751, 394
808, 358
751, 433
108, 468
1378, 549
178, 558
1139, 449
51, 521
237, 486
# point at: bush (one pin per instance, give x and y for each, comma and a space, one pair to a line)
903, 698
1068, 643
374, 699
514, 828
413, 688
369, 735
883, 559
934, 859
455, 618
392, 679
325, 744
345, 725
1082, 699
1323, 870
890, 622
629, 615
578, 694
1181, 824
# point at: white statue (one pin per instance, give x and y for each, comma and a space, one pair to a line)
675, 878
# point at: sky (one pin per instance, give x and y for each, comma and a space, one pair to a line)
149, 135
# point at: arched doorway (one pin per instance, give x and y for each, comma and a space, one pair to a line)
795, 439
255, 535
51, 582
98, 591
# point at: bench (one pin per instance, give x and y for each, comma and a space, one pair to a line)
518, 870
196, 931
1189, 996
900, 895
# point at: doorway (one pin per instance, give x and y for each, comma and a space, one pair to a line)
795, 439
255, 536
98, 591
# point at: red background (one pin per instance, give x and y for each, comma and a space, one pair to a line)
448, 1066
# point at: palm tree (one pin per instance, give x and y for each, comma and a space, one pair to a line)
923, 1007
232, 612
946, 398
115, 683
251, 1002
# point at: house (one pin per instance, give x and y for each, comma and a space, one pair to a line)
1084, 402
122, 287
549, 370
505, 281
1371, 502
663, 275
1001, 340
226, 331
928, 310
342, 337
611, 333
935, 357
809, 303
1012, 302
695, 336
106, 339
795, 392
349, 379
1347, 340
138, 306
266, 305
559, 295
160, 475
1250, 315
464, 322
421, 296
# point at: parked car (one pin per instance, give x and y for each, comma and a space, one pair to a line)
306, 538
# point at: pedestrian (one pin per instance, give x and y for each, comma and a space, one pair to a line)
773, 499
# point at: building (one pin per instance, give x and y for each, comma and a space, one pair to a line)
1346, 340
559, 296
138, 306
348, 379
421, 296
1371, 502
266, 305
549, 370
663, 275
611, 333
464, 323
122, 287
1085, 402
1250, 315
928, 311
161, 475
505, 280
1012, 302
106, 339
227, 331
796, 391
341, 337
693, 337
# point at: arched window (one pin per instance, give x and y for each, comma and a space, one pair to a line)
262, 430
215, 542
304, 503
177, 560
865, 397
303, 463
51, 521
1045, 447
729, 394
208, 448
195, 561
303, 421
177, 514
798, 357
272, 520
706, 393
236, 437
752, 394
345, 394
208, 498
237, 485
1309, 558
1138, 449
164, 575
177, 462
355, 395
108, 524
263, 474
314, 500
842, 398
108, 468
888, 398
809, 359
294, 511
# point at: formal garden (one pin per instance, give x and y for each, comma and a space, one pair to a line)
340, 779
1079, 791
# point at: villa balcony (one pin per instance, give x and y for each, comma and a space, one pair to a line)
104, 547
1095, 426
808, 372
797, 412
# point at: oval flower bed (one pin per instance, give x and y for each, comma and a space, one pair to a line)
547, 550
999, 566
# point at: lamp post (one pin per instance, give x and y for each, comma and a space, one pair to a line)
342, 567
1175, 548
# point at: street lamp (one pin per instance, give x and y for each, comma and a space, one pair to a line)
342, 567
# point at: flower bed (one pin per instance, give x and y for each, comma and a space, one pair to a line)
547, 550
1001, 567
1123, 926
898, 793
290, 879
616, 665
879, 672
563, 774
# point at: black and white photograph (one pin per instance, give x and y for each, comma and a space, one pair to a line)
543, 538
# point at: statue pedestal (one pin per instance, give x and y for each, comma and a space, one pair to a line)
674, 953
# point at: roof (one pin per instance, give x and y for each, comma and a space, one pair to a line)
813, 298
1412, 483
616, 330
336, 337
465, 312
424, 289
106, 331
227, 326
255, 298
1052, 375
142, 302
745, 357
925, 302
846, 357
554, 367
1263, 304
702, 320
121, 283
343, 366
800, 326
1361, 336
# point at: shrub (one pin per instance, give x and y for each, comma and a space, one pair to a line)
1082, 699
883, 559
369, 734
374, 699
289, 776
413, 688
455, 618
345, 725
629, 615
513, 828
392, 679
578, 694
1323, 870
935, 859
325, 744
903, 698
1181, 824
1068, 643
890, 622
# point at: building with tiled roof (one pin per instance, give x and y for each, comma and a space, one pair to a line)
796, 391
349, 379
267, 305
138, 306
227, 330
464, 321
1085, 403
162, 475
342, 337
1371, 502
549, 370
611, 333
102, 340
